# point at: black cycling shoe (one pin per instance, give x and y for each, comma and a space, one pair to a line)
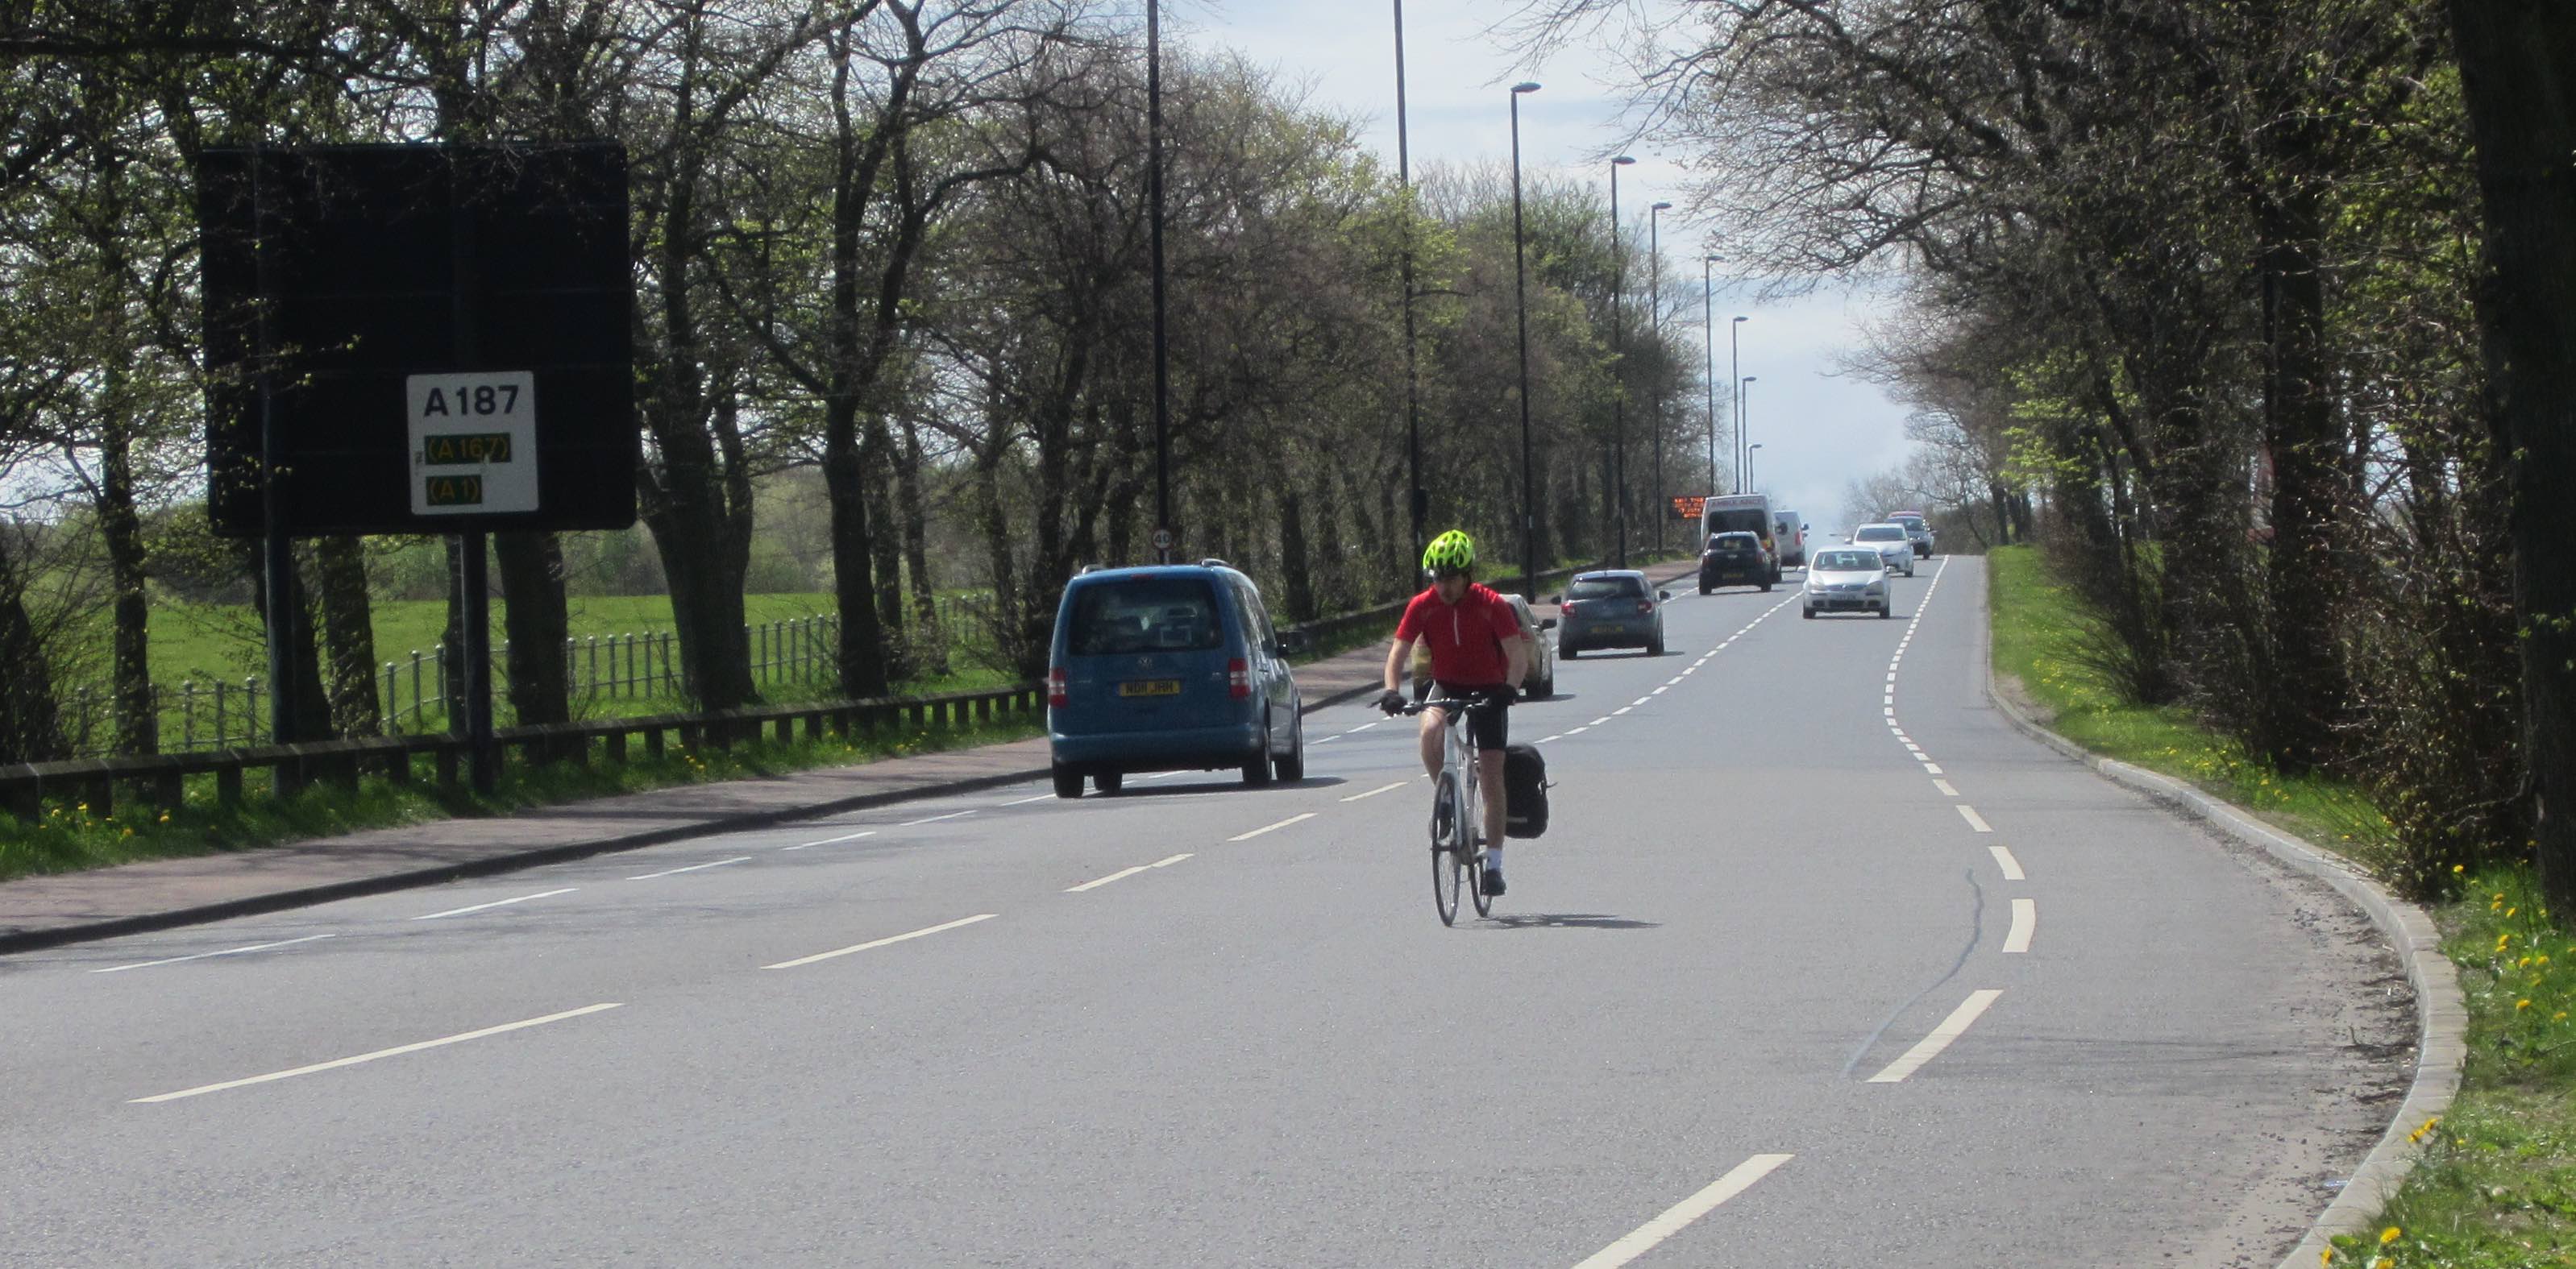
1492, 884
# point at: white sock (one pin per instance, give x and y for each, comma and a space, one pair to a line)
1494, 858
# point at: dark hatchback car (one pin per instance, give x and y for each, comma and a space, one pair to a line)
1733, 559
1618, 609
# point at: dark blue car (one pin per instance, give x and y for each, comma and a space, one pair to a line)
1169, 668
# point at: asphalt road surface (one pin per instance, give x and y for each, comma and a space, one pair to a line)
1820, 964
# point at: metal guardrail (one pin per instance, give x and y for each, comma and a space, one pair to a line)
161, 779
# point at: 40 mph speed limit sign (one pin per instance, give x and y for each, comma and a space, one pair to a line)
473, 443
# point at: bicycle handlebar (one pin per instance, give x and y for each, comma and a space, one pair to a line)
1488, 696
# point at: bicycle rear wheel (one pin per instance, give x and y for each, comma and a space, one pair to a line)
1448, 874
1476, 883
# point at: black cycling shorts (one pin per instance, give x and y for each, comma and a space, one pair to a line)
1489, 722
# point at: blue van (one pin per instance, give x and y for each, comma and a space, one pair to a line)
1169, 668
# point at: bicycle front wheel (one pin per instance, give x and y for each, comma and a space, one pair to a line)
1448, 870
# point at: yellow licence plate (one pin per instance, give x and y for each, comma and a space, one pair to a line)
1151, 687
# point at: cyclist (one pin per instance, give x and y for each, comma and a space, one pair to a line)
1476, 646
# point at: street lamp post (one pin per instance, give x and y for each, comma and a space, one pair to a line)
1416, 497
1743, 399
1655, 323
1520, 303
1735, 370
1618, 379
1708, 357
1162, 365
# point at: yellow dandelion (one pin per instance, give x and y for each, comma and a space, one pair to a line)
165, 817
2388, 1235
2325, 1256
2377, 1261
2560, 1016
2512, 910
2520, 1005
2456, 869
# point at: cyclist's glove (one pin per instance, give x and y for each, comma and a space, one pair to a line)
1391, 701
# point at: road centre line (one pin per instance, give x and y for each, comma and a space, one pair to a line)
1930, 1046
1326, 740
845, 837
2025, 922
933, 819
1975, 821
1736, 1181
1673, 680
1540, 741
230, 951
1364, 726
497, 903
1944, 787
1661, 690
396, 1051
1598, 721
1930, 767
1621, 710
673, 872
1641, 700
1272, 828
1102, 881
1042, 797
1383, 788
876, 943
1579, 730
2004, 860
1170, 860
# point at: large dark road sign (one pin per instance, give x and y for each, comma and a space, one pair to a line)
449, 330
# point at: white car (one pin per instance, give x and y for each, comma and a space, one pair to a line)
1847, 579
1892, 542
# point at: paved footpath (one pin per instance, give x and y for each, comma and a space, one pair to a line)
100, 903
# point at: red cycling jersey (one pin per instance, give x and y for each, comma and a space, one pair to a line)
1466, 637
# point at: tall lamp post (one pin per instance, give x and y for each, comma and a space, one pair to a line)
1163, 536
1520, 303
1618, 379
1655, 323
1416, 497
1735, 370
1708, 357
1744, 399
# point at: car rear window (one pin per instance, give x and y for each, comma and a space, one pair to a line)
1605, 588
1145, 614
1846, 561
1882, 533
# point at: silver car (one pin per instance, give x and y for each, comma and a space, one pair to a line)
1847, 579
1540, 682
1892, 543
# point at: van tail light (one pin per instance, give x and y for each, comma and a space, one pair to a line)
1238, 678
1056, 696
1645, 605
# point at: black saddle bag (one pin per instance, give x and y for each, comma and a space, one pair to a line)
1524, 792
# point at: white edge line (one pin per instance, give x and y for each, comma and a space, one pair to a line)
1272, 828
874, 943
1930, 1046
497, 903
673, 872
1975, 821
396, 1051
2004, 860
1166, 863
230, 951
2025, 922
1383, 788
1737, 1180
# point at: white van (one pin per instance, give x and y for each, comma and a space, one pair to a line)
1744, 513
1792, 534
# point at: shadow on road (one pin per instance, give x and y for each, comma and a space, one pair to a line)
1569, 921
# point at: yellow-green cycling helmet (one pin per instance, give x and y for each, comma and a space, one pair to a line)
1451, 552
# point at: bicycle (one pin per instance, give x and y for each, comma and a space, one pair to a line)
1457, 848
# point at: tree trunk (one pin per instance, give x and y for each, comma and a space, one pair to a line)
312, 713
138, 717
2304, 694
536, 620
30, 719
861, 655
885, 558
451, 637
1294, 568
930, 643
2518, 71
348, 636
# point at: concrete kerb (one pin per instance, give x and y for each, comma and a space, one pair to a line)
2442, 1018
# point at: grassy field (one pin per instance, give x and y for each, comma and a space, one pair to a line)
2496, 1187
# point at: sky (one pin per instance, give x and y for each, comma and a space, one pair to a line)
1819, 429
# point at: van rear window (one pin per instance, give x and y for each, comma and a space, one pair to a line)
1145, 614
1737, 522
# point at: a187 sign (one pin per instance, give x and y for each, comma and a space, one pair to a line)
473, 443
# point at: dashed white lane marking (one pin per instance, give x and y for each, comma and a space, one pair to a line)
1272, 828
1544, 739
1737, 1180
1913, 748
496, 903
876, 943
2025, 922
1598, 721
845, 837
1025, 801
1661, 690
1930, 1046
933, 819
1641, 700
1975, 821
1673, 680
1931, 769
1383, 788
1621, 710
1577, 731
2004, 860
673, 872
1364, 726
1326, 740
1169, 860
1944, 787
230, 951
1102, 881
396, 1051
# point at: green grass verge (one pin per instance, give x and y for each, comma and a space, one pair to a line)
73, 837
2496, 1186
